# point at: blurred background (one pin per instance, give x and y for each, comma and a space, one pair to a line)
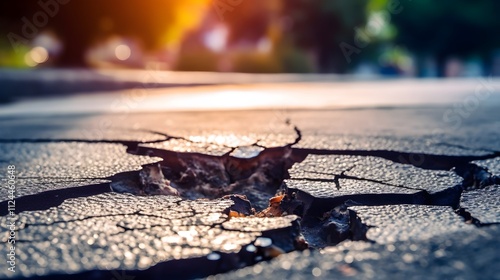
424, 38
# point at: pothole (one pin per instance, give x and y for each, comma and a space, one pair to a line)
195, 176
253, 180
255, 185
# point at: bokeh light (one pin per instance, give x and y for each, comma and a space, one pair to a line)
123, 52
36, 56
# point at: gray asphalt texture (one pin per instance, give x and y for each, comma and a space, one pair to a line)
416, 185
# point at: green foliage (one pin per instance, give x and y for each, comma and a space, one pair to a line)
376, 5
449, 27
321, 25
293, 60
10, 57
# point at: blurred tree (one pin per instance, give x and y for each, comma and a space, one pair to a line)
81, 23
248, 20
317, 26
322, 25
449, 28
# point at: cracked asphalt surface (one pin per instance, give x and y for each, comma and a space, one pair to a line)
115, 231
376, 193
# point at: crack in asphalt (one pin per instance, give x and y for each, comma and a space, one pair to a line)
342, 175
474, 176
419, 160
52, 198
469, 219
27, 225
198, 175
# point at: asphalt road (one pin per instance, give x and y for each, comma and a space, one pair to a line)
382, 179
